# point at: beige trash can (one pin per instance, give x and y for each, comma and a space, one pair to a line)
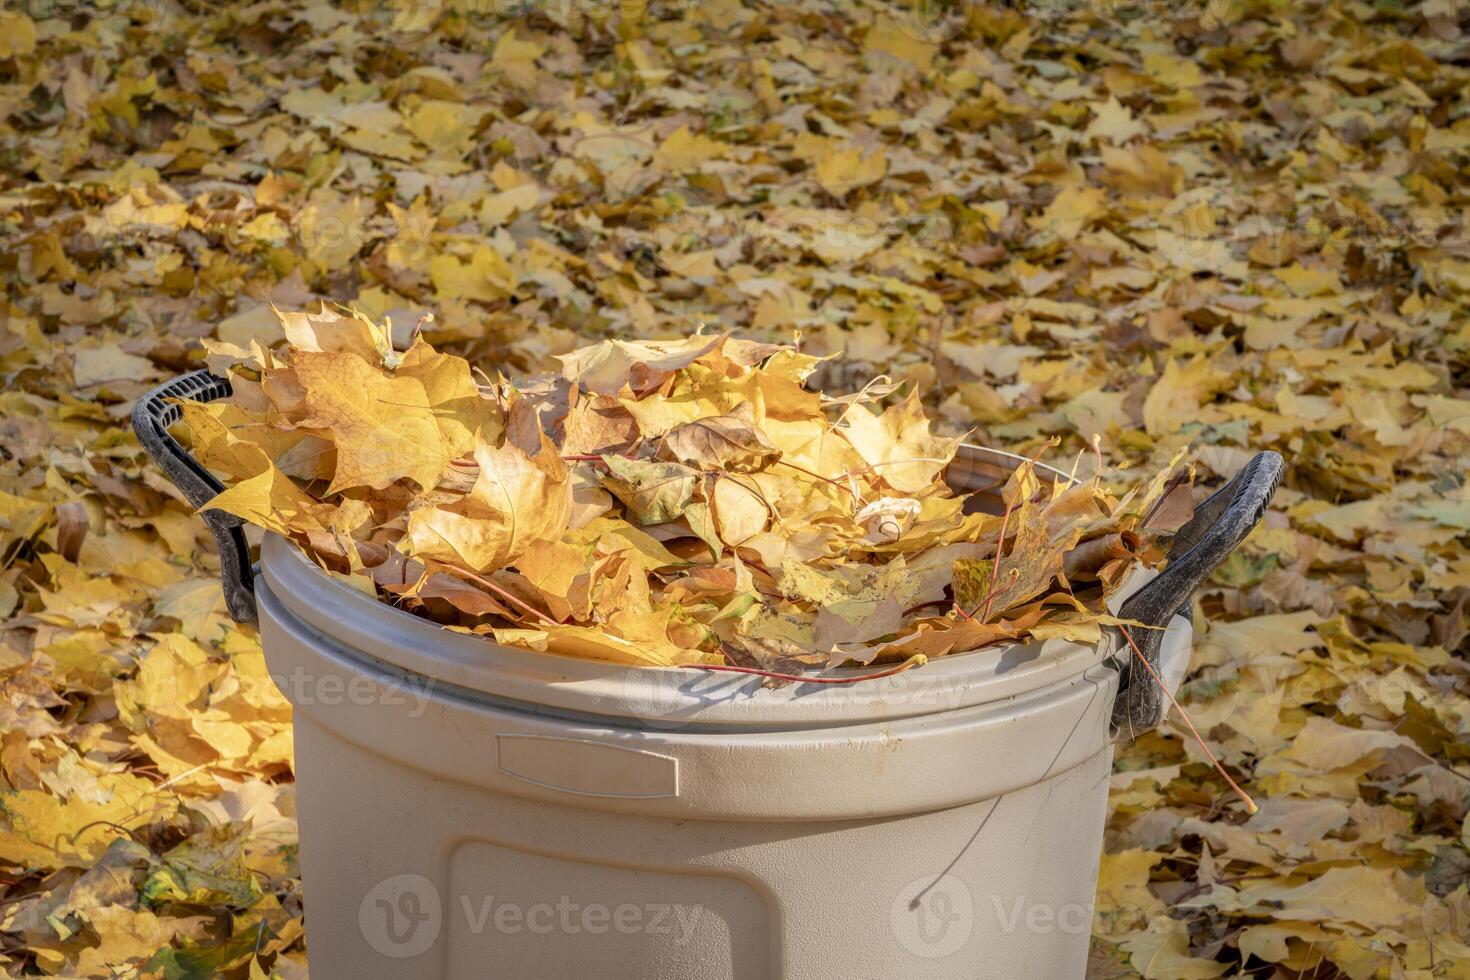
473, 811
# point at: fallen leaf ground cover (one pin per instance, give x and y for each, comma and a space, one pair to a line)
1228, 226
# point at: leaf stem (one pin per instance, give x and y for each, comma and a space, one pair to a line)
1250, 804
995, 570
504, 594
825, 479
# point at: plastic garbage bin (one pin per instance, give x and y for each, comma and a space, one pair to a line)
469, 810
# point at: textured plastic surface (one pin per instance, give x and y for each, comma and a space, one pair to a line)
883, 748
953, 843
412, 876
152, 416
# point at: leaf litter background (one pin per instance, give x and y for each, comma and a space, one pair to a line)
1233, 226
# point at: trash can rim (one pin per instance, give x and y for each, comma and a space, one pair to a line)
383, 633
357, 624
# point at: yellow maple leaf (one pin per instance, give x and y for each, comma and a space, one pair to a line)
684, 150
898, 446
515, 502
388, 424
446, 128
486, 276
841, 169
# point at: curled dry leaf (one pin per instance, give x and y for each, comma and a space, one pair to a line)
729, 442
653, 492
513, 504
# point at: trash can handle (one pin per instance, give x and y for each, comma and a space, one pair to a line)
1218, 526
152, 416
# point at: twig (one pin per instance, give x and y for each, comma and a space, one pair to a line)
507, 596
825, 479
995, 570
1250, 804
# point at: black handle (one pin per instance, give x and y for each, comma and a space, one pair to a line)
1218, 526
152, 416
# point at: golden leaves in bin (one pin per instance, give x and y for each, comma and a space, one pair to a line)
658, 502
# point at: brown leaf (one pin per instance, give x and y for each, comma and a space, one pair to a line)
727, 442
515, 502
71, 528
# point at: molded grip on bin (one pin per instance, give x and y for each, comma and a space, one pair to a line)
152, 416
1218, 526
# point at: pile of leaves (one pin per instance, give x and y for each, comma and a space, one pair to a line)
656, 503
1226, 225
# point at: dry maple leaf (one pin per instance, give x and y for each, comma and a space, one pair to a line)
389, 423
898, 445
513, 504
